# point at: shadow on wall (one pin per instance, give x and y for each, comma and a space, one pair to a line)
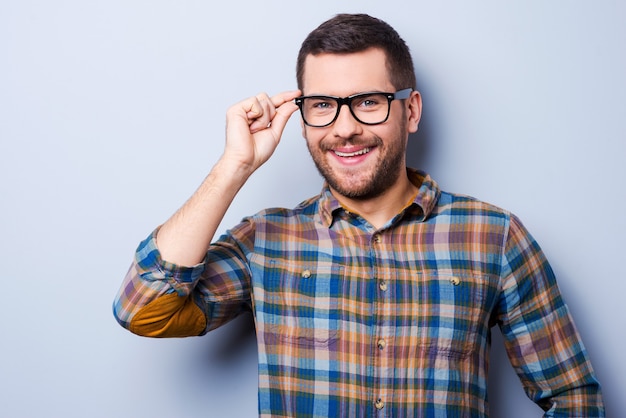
233, 344
419, 149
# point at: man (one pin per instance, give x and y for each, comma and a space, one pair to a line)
375, 298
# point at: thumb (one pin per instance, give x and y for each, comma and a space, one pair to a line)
283, 113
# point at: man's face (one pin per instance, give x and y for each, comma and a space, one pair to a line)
358, 161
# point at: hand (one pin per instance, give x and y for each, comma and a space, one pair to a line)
254, 128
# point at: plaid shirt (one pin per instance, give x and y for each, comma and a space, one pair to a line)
352, 321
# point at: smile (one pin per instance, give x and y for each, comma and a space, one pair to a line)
352, 154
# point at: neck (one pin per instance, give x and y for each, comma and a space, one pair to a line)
381, 209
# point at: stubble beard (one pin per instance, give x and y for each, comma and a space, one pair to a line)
350, 183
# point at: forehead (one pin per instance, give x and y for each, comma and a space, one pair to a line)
346, 74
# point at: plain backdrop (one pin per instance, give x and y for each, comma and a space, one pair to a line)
112, 112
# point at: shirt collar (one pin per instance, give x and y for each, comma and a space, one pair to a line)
428, 191
423, 204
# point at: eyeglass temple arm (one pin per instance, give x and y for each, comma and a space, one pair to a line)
403, 94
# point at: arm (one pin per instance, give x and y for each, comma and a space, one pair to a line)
253, 131
168, 288
541, 339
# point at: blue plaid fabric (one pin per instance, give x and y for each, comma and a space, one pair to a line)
352, 321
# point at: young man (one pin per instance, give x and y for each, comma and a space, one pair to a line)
376, 297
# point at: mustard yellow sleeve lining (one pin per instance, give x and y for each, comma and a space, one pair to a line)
169, 316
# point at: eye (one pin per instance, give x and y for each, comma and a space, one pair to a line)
369, 102
320, 104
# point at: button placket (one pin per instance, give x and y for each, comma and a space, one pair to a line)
382, 273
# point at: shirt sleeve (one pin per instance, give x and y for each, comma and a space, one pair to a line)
541, 339
162, 299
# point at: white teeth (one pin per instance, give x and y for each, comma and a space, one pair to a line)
352, 154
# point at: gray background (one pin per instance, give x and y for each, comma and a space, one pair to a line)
112, 112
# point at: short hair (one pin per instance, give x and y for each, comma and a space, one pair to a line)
351, 33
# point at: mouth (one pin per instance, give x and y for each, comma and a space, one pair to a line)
357, 153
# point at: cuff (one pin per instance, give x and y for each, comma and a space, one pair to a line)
153, 267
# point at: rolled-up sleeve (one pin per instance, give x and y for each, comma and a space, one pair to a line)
162, 299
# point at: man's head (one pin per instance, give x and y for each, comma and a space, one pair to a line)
350, 33
359, 61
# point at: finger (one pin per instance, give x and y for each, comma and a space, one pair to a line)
283, 108
263, 114
283, 114
261, 110
254, 107
258, 125
285, 97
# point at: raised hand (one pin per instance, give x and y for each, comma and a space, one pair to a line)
254, 127
253, 130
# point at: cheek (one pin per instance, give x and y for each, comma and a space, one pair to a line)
312, 136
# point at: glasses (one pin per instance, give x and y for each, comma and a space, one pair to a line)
368, 108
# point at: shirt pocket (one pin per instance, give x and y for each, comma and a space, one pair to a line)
301, 303
452, 312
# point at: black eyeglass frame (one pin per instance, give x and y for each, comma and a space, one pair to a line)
398, 95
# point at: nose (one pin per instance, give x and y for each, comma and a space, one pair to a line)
346, 126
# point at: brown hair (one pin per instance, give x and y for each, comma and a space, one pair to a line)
350, 33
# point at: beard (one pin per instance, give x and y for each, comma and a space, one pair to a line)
354, 183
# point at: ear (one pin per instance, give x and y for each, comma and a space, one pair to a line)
414, 111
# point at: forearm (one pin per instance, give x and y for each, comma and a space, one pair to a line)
158, 297
186, 236
253, 130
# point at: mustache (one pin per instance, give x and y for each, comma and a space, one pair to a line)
328, 145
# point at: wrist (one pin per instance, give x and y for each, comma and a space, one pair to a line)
230, 174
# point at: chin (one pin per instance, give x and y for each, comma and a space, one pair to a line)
363, 191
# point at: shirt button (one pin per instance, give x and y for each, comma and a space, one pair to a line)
377, 238
306, 274
455, 281
383, 286
381, 344
379, 404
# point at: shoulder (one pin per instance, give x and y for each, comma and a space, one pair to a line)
456, 201
308, 208
466, 210
471, 209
